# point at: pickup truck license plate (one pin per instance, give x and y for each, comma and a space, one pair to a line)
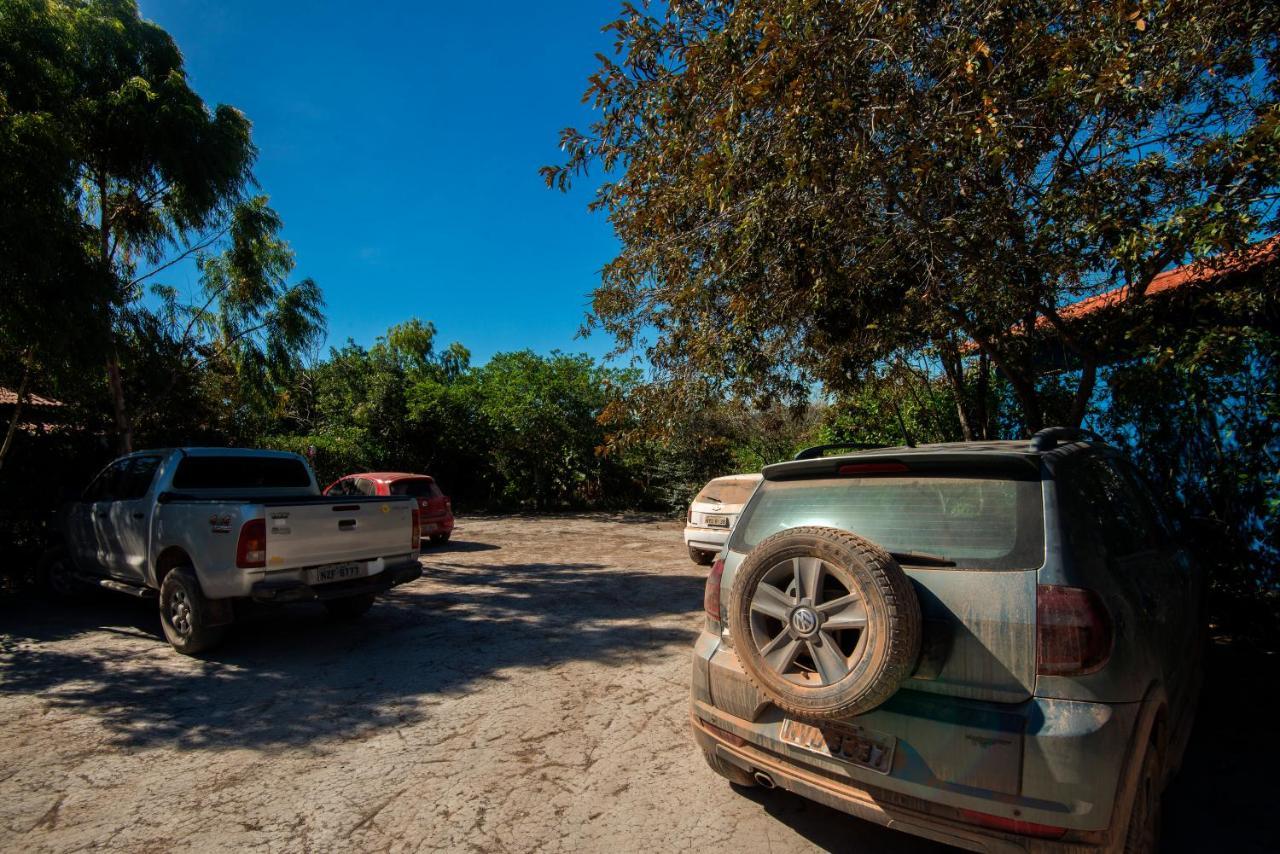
849, 743
335, 572
717, 521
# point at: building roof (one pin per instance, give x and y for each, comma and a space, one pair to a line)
1190, 275
9, 397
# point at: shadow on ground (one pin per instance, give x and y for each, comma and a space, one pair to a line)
1224, 797
430, 550
293, 677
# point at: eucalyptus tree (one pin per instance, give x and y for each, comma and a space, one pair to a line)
805, 190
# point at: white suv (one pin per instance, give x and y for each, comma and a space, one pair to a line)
713, 513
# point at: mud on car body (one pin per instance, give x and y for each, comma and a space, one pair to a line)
994, 645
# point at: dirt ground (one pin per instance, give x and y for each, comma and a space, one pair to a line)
528, 693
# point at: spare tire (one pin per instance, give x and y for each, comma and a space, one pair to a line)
825, 622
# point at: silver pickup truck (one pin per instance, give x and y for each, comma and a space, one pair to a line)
201, 529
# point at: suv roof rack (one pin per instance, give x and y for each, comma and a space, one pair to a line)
1048, 438
818, 450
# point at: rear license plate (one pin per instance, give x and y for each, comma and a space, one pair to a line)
717, 521
335, 572
846, 742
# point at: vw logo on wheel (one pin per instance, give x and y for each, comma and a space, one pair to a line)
804, 621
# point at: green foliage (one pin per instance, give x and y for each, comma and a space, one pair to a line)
804, 191
118, 167
1199, 407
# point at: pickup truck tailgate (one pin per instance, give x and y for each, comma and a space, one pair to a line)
333, 532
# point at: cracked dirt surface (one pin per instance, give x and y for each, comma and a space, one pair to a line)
529, 693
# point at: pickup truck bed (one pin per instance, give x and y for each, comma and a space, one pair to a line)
235, 530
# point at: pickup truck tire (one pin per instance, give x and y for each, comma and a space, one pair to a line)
185, 613
439, 539
824, 622
349, 607
57, 575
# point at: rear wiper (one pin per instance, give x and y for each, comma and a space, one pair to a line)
921, 559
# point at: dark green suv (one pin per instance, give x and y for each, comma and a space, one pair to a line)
996, 645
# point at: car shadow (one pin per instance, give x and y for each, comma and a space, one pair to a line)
1222, 799
831, 830
462, 546
294, 677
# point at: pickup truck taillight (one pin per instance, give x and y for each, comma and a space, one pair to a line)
415, 542
251, 548
1073, 631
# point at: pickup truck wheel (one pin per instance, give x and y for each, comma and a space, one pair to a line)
57, 575
439, 539
701, 557
184, 613
349, 607
825, 622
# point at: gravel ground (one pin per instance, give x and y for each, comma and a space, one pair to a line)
528, 693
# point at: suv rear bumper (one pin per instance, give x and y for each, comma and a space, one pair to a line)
1049, 762
293, 590
878, 806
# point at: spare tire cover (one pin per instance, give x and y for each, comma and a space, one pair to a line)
825, 622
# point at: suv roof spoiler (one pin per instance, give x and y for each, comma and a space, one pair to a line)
1048, 438
818, 450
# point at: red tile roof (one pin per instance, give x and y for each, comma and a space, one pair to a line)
1199, 273
8, 397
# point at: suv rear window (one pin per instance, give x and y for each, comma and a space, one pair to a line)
978, 522
418, 487
727, 491
241, 473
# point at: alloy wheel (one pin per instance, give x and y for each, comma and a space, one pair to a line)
809, 621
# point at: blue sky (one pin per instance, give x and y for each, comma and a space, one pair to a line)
400, 142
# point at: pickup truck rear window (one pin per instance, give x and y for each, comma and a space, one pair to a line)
978, 522
418, 487
240, 473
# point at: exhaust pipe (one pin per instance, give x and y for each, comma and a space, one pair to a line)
763, 779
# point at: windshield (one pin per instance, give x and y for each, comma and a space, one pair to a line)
977, 522
418, 487
241, 473
727, 490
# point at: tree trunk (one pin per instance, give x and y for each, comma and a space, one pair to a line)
124, 430
982, 412
1084, 391
953, 368
17, 406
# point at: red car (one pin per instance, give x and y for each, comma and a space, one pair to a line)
434, 506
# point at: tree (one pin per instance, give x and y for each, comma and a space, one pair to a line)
145, 173
544, 417
251, 328
805, 190
48, 285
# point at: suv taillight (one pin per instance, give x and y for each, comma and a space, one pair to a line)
711, 597
415, 542
251, 548
1073, 631
1013, 825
